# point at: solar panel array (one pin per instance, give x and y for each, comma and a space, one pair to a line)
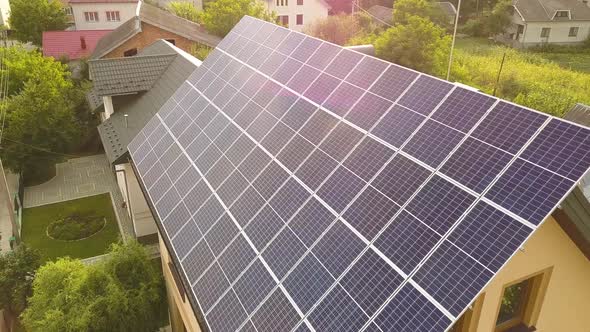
303, 186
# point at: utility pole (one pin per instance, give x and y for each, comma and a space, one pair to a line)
453, 42
499, 72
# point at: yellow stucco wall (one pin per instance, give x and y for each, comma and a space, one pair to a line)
566, 305
184, 308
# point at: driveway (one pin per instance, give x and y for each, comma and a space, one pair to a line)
77, 178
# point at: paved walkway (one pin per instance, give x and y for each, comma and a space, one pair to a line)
77, 178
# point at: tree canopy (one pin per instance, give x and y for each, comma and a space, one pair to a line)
220, 16
29, 18
122, 293
404, 9
419, 44
39, 112
17, 269
184, 9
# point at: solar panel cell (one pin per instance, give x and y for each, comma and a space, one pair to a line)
197, 261
462, 109
303, 78
338, 248
400, 179
338, 312
299, 113
318, 127
308, 282
221, 234
290, 43
254, 163
295, 152
433, 142
283, 252
410, 311
307, 47
509, 127
316, 169
394, 81
289, 199
276, 314
366, 72
211, 287
371, 281
254, 285
368, 158
370, 212
425, 94
343, 63
321, 88
276, 139
343, 98
341, 141
452, 277
208, 213
561, 147
439, 204
476, 164
323, 56
311, 221
261, 125
263, 227
236, 257
246, 206
185, 239
227, 315
340, 189
529, 191
369, 109
406, 241
270, 180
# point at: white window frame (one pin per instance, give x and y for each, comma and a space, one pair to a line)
569, 14
113, 16
91, 17
548, 32
576, 29
68, 10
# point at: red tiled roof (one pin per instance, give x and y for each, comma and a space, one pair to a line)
69, 43
103, 1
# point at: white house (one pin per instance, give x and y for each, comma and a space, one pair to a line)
297, 14
102, 14
536, 22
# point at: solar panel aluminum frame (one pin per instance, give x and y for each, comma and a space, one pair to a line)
445, 236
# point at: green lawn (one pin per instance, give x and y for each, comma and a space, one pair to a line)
35, 221
574, 61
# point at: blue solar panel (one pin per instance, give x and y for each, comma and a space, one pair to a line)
301, 190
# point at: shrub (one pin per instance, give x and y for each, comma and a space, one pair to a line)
75, 227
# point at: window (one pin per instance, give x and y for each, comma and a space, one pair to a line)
562, 13
113, 16
282, 3
299, 2
68, 10
545, 32
521, 302
130, 52
171, 41
299, 19
91, 16
283, 20
573, 32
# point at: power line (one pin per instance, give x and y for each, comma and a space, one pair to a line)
42, 149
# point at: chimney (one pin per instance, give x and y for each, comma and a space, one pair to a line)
83, 42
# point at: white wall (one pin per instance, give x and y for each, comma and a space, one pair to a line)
559, 32
4, 12
126, 11
311, 10
143, 221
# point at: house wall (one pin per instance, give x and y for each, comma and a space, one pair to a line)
126, 11
181, 312
567, 299
559, 32
4, 12
143, 221
312, 10
145, 38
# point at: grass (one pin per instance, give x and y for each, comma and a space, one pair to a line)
579, 62
36, 220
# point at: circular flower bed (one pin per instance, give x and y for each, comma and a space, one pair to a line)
75, 227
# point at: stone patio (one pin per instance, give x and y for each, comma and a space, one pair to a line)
77, 178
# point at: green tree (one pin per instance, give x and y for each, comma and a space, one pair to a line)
39, 113
29, 18
404, 9
17, 269
122, 293
184, 9
344, 29
420, 44
220, 16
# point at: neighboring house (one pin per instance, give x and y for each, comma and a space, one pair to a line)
128, 92
536, 22
297, 14
73, 45
151, 24
69, 14
102, 14
543, 287
381, 15
4, 12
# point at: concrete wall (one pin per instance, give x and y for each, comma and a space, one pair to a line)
137, 207
145, 38
312, 10
179, 309
566, 303
126, 11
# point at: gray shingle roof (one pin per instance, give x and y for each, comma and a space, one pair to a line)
447, 8
128, 75
382, 13
115, 133
580, 113
544, 10
94, 101
159, 18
